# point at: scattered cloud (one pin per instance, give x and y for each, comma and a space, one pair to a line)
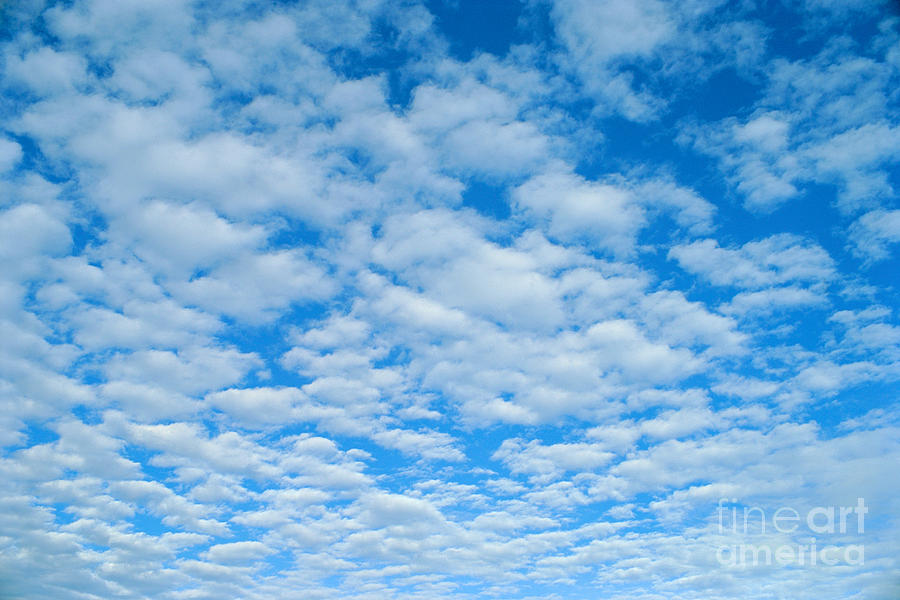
325, 300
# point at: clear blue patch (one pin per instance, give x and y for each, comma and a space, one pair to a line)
473, 26
489, 200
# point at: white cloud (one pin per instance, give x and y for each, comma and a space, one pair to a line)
191, 370
621, 345
255, 407
546, 463
29, 233
45, 72
598, 35
874, 232
823, 119
427, 444
578, 210
446, 257
237, 552
10, 154
166, 236
777, 260
766, 132
256, 288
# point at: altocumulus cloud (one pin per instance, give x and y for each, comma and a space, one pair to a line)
448, 299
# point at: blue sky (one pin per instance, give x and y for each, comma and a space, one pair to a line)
448, 300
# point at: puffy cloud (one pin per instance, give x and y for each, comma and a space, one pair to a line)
598, 35
776, 260
45, 72
823, 119
874, 232
545, 463
600, 214
10, 154
31, 233
237, 552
